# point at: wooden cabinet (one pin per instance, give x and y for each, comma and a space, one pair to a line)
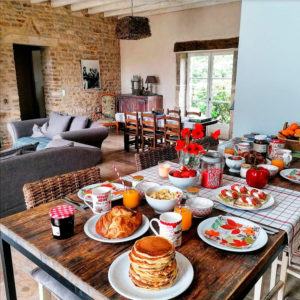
131, 103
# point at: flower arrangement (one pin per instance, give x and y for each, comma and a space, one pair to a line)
190, 152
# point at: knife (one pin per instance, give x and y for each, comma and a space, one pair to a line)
72, 203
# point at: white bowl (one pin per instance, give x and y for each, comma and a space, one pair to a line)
234, 165
161, 206
201, 207
183, 183
272, 169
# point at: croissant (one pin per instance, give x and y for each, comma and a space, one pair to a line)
120, 222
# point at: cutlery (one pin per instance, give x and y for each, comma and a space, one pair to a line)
83, 205
77, 206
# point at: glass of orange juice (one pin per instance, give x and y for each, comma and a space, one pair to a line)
278, 162
186, 215
229, 151
131, 198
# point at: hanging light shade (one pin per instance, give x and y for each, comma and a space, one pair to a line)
133, 28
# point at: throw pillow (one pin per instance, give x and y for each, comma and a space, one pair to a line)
79, 122
5, 154
57, 123
39, 131
59, 143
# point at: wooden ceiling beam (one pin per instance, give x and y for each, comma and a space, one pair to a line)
121, 5
147, 7
59, 3
183, 7
92, 3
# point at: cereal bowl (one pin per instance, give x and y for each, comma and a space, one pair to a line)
162, 205
200, 207
183, 183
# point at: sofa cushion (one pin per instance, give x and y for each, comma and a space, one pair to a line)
57, 123
43, 141
79, 122
59, 143
39, 131
23, 149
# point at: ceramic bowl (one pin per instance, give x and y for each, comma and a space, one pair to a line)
234, 164
183, 183
201, 207
161, 206
272, 169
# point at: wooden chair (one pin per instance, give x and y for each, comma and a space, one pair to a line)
172, 129
192, 113
47, 190
131, 129
174, 112
105, 112
149, 130
151, 158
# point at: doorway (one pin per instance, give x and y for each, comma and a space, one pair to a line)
30, 83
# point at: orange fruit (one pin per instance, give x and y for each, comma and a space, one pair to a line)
293, 126
297, 130
285, 132
291, 132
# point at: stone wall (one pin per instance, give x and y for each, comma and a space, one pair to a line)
66, 37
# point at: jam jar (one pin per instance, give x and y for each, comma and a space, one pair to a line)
260, 144
62, 221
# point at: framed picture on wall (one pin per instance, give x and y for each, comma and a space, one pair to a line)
90, 74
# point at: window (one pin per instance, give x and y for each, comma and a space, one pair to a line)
210, 83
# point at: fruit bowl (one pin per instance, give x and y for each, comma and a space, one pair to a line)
183, 182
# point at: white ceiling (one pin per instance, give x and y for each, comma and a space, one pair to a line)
123, 7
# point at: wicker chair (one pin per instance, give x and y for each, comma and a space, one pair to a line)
151, 158
49, 189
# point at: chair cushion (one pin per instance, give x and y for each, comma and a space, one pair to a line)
79, 122
108, 106
52, 285
57, 123
106, 121
43, 141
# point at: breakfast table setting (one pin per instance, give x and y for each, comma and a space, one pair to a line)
187, 229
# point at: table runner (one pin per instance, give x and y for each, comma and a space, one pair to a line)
284, 214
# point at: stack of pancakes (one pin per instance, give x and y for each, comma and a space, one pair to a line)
153, 264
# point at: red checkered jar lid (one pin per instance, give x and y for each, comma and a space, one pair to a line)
61, 211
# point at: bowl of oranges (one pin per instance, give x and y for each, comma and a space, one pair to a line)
291, 135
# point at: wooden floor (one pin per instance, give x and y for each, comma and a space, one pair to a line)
113, 153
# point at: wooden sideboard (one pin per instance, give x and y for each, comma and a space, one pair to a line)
132, 103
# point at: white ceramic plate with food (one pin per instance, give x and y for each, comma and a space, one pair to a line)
90, 230
116, 188
262, 238
118, 276
292, 175
267, 204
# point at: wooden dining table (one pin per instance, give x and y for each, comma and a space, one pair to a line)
81, 264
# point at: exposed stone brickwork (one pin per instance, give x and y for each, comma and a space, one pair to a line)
66, 37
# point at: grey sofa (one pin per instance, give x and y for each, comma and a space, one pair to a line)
18, 170
93, 134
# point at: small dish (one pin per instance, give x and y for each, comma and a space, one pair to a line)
181, 182
234, 163
272, 169
200, 207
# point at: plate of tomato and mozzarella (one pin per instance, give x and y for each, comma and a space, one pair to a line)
244, 197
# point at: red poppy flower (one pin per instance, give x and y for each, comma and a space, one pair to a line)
189, 148
199, 149
197, 133
180, 145
185, 132
199, 127
216, 134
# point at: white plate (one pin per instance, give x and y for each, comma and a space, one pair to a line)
259, 243
119, 279
81, 195
285, 172
145, 185
268, 204
90, 230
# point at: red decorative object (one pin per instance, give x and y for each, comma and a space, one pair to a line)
212, 178
257, 177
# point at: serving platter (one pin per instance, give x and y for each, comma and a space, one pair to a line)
260, 242
268, 204
292, 175
117, 188
90, 230
118, 276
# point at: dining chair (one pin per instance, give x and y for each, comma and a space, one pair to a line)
106, 110
150, 134
131, 129
47, 190
151, 158
192, 113
172, 129
174, 111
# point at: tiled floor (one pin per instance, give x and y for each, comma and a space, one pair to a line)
27, 288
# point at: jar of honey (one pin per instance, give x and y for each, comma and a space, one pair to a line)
131, 198
187, 216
